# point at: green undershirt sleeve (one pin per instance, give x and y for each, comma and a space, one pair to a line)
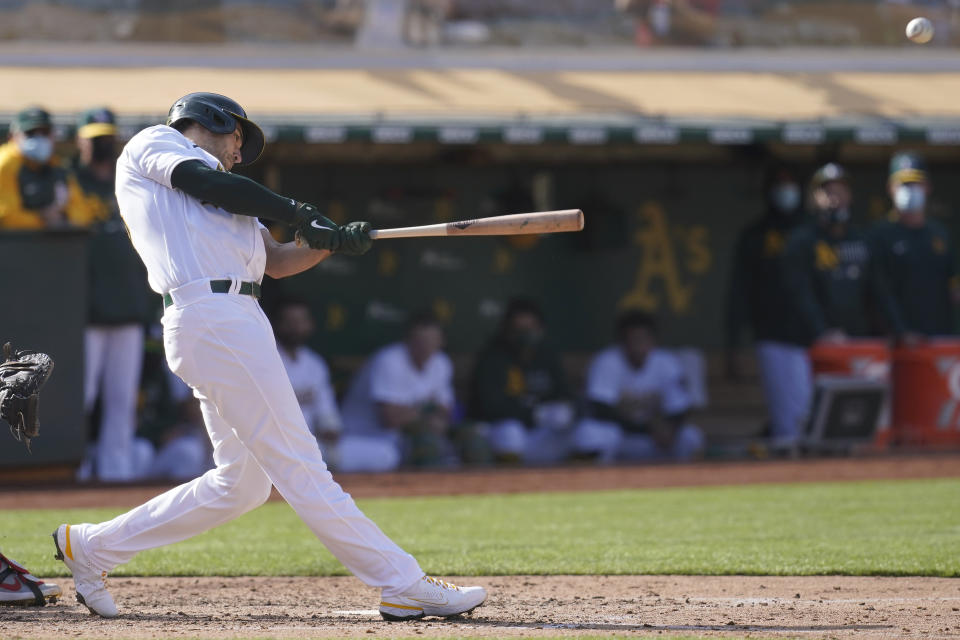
232, 192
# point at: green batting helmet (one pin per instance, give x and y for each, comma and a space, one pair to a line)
219, 114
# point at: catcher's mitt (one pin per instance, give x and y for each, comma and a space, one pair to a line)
21, 377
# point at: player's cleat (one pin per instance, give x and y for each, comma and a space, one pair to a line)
19, 588
90, 584
432, 597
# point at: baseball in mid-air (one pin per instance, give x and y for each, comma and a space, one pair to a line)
920, 30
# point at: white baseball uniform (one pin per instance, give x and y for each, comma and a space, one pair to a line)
659, 384
389, 376
222, 345
114, 355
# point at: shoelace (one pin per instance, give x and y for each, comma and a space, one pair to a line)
103, 579
441, 583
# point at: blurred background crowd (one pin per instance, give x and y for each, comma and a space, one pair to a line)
740, 243
478, 23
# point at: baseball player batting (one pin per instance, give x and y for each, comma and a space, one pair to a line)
195, 226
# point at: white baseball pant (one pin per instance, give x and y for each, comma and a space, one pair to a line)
787, 379
114, 357
222, 345
610, 443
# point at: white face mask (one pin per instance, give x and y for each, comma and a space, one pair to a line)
910, 198
37, 148
785, 197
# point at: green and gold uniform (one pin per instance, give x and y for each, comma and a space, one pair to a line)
32, 181
758, 294
919, 265
118, 291
504, 386
835, 282
26, 187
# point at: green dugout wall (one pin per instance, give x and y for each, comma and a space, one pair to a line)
659, 236
43, 289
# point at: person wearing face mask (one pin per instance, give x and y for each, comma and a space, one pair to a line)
119, 302
759, 300
832, 276
915, 255
832, 273
520, 390
33, 186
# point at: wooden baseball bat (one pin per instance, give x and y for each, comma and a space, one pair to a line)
512, 225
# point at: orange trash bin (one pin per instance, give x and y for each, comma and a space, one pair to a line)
866, 358
926, 394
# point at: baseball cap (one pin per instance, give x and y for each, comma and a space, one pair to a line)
95, 122
32, 118
907, 166
830, 172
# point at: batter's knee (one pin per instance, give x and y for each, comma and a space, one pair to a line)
243, 483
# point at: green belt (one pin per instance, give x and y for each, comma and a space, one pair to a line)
223, 286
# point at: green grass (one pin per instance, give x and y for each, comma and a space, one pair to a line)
872, 528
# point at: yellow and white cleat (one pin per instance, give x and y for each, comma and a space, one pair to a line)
90, 584
432, 597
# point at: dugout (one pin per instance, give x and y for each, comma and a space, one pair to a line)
666, 166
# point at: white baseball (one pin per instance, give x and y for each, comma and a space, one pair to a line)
920, 30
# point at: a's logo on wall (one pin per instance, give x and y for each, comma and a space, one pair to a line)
672, 257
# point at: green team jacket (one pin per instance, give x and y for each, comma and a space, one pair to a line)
920, 266
758, 294
836, 283
118, 290
505, 387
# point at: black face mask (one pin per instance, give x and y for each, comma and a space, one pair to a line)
834, 216
104, 148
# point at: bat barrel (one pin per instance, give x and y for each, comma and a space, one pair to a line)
509, 225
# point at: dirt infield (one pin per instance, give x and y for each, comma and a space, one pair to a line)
526, 606
856, 608
535, 480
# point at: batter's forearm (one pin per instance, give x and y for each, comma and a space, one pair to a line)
287, 259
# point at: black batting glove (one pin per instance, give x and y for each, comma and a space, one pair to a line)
316, 230
355, 238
